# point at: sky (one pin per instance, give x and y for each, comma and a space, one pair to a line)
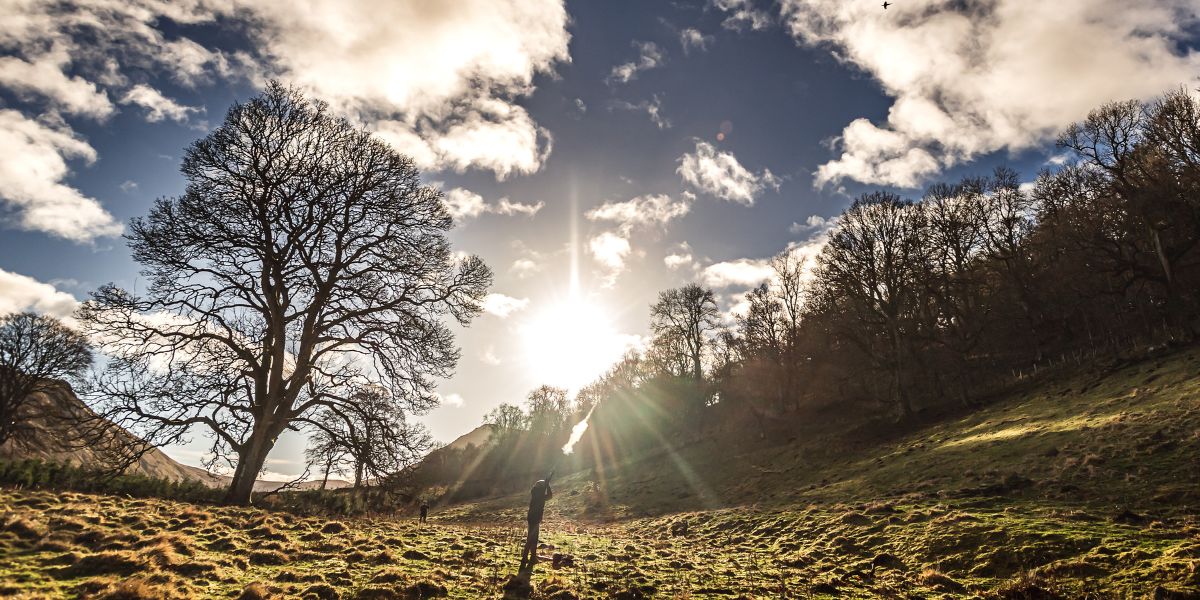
593, 153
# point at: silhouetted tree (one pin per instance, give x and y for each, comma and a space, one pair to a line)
35, 351
681, 320
506, 421
548, 409
303, 263
368, 438
867, 269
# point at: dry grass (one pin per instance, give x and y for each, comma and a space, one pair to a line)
976, 507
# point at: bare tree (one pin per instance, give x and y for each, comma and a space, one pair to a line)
303, 263
549, 410
368, 437
326, 452
867, 269
506, 421
35, 352
1149, 155
954, 311
681, 320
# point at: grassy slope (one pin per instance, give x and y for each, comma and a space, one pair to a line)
1078, 484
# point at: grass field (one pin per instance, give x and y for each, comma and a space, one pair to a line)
1081, 485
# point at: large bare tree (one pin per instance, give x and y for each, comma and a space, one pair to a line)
303, 263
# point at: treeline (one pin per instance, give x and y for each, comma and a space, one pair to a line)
524, 444
913, 304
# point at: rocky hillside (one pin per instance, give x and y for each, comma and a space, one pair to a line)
60, 409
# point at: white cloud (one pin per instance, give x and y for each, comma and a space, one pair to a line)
66, 59
507, 207
969, 79
691, 39
128, 186
31, 180
446, 74
465, 204
502, 306
43, 76
743, 14
650, 56
749, 272
720, 174
440, 83
158, 106
454, 400
524, 267
610, 250
743, 272
680, 258
812, 223
652, 108
650, 210
20, 293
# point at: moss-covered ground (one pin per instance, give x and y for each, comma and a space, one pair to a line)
1076, 485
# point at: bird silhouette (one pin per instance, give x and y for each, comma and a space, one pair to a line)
886, 4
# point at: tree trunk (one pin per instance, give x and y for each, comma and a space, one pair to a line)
325, 479
1163, 261
250, 464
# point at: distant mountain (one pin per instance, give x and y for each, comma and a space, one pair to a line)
60, 407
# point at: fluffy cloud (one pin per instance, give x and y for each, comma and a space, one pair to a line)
65, 60
523, 268
19, 293
720, 174
978, 77
680, 258
158, 106
691, 39
31, 180
42, 77
455, 400
812, 223
650, 210
447, 75
650, 56
492, 135
502, 306
743, 272
610, 248
465, 204
749, 272
441, 83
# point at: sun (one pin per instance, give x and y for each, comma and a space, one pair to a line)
571, 342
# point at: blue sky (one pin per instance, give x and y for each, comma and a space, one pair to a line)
637, 145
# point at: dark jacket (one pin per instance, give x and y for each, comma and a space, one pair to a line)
538, 496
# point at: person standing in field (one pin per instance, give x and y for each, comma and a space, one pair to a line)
424, 510
538, 496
